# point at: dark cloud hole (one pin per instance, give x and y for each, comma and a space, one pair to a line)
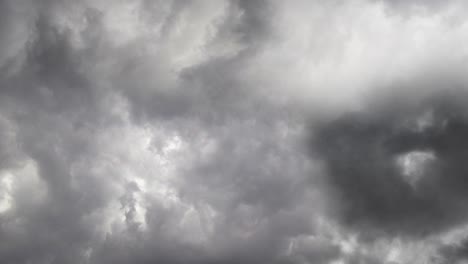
400, 167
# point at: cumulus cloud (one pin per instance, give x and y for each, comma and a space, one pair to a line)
232, 131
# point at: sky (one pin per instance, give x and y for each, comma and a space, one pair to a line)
225, 132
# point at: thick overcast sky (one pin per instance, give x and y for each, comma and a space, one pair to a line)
226, 132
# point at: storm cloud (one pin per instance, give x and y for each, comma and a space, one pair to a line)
400, 168
233, 131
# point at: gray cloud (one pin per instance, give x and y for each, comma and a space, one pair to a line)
399, 168
174, 132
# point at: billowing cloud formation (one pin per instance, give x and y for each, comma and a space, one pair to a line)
176, 131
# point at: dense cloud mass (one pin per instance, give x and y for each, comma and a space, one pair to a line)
295, 132
401, 168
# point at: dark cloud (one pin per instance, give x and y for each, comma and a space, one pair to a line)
372, 164
172, 132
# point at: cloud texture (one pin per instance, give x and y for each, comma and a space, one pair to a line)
233, 132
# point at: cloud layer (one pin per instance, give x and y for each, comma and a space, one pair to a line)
232, 131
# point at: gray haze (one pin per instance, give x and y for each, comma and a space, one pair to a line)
218, 132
